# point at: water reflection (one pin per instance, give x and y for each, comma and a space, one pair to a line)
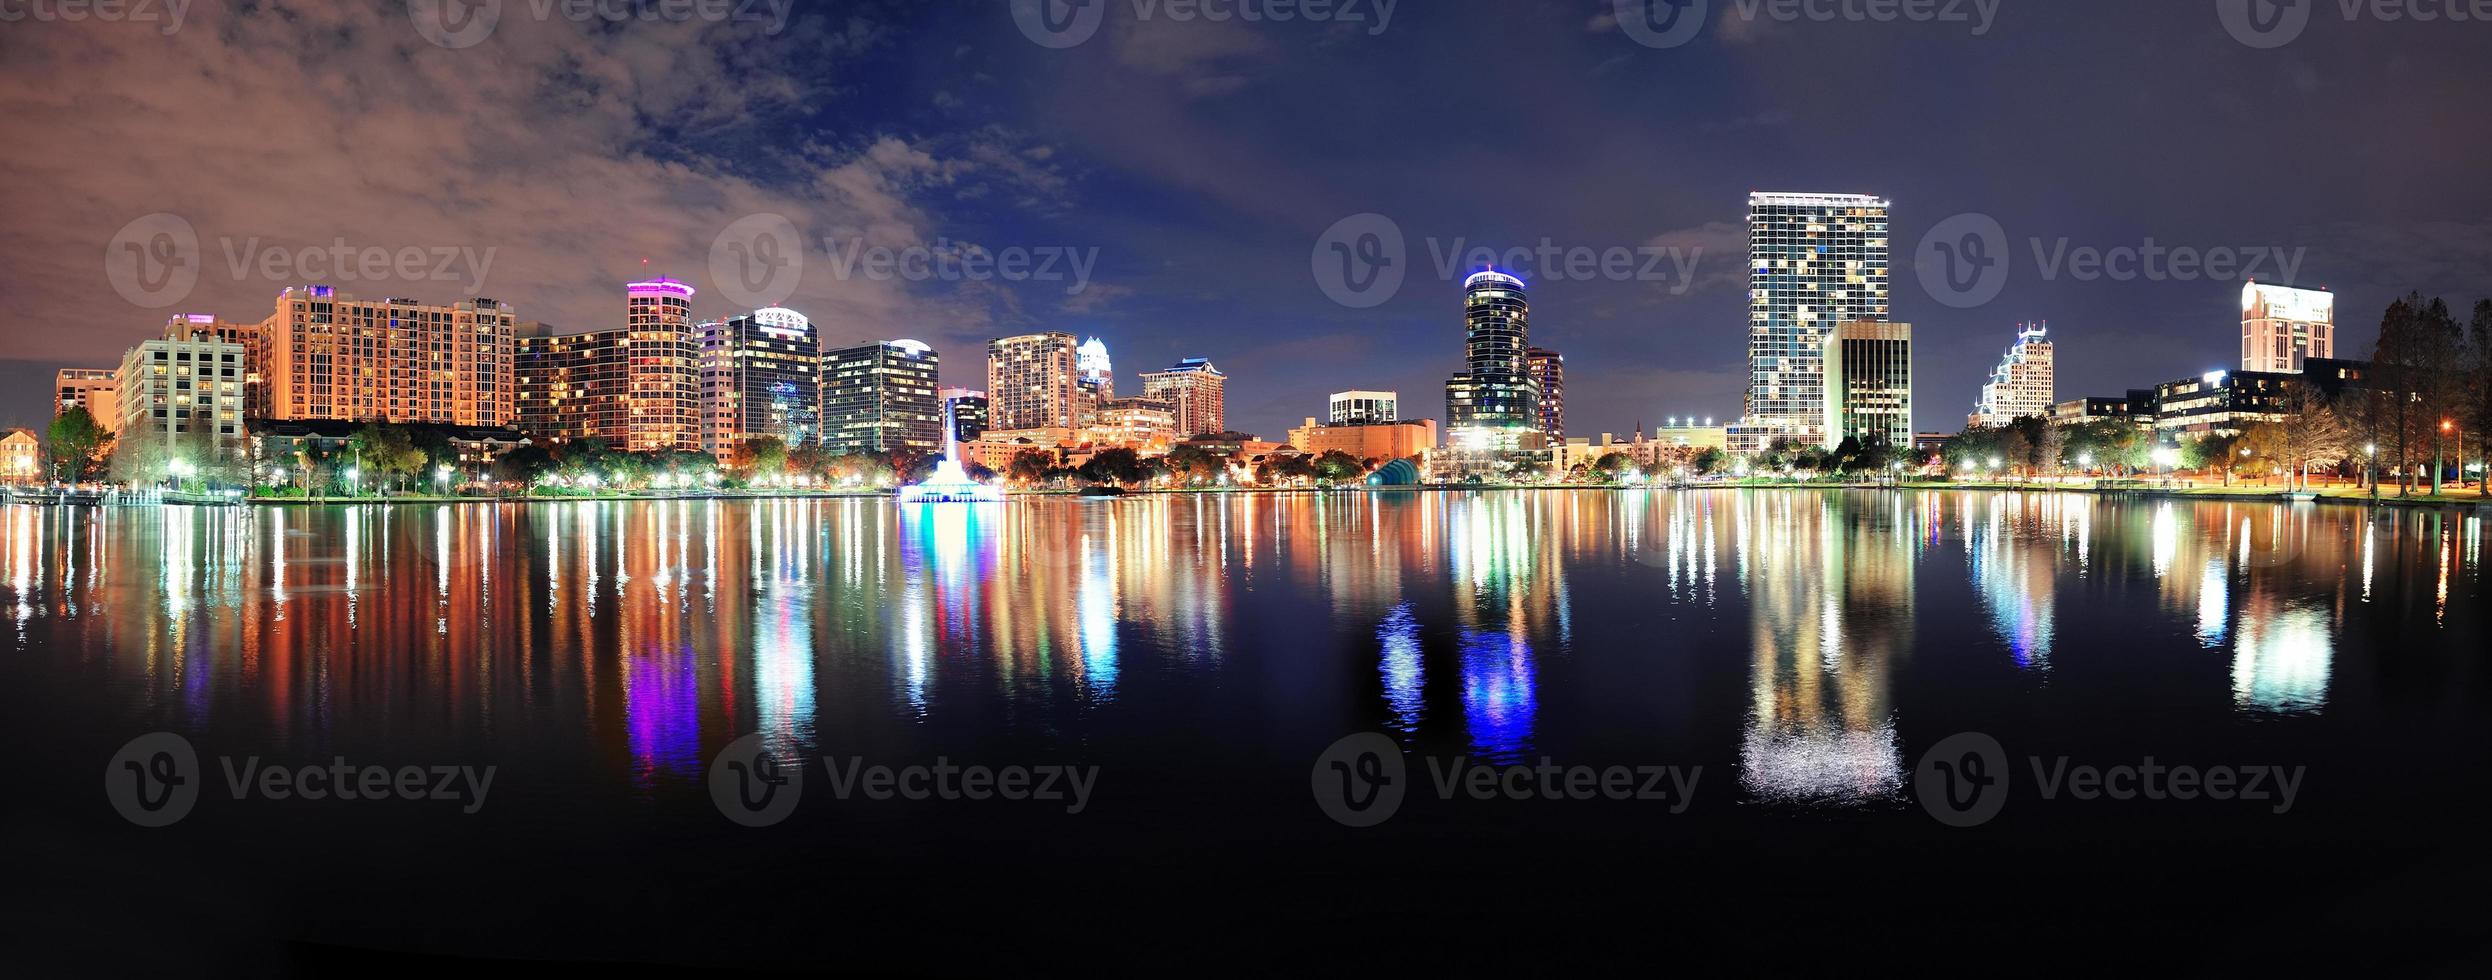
646, 634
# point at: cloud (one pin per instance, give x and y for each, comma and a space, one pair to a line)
570, 152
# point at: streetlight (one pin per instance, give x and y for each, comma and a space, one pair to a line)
441, 475
354, 480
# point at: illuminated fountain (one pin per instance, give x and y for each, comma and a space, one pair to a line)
950, 484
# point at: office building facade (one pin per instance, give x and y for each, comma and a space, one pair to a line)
1492, 406
760, 376
92, 389
1815, 261
325, 355
1363, 408
1548, 372
1198, 392
968, 410
879, 398
2024, 384
1031, 382
1869, 384
186, 390
2282, 326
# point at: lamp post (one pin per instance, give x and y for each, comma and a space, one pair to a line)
441, 477
2447, 427
2370, 467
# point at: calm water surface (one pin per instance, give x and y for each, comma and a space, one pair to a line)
1802, 647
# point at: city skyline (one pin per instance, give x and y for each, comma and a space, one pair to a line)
1185, 257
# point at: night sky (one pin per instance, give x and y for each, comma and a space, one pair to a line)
1204, 160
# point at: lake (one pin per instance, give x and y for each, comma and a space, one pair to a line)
1723, 703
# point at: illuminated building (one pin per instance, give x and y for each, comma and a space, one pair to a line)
2022, 385
637, 387
2079, 410
2221, 402
759, 377
1869, 384
881, 397
1094, 378
1491, 407
21, 457
1135, 422
91, 389
1031, 382
2282, 326
186, 390
1373, 440
323, 354
1198, 391
1364, 407
1687, 433
1814, 261
968, 408
1548, 371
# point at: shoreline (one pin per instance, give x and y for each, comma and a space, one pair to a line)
2245, 495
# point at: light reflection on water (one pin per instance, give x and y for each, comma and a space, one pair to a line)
651, 633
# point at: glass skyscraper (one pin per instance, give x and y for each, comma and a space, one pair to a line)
1491, 406
1814, 261
880, 397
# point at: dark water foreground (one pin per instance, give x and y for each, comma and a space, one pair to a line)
1733, 696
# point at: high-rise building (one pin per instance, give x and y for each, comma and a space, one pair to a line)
1814, 261
637, 386
1548, 371
185, 389
1869, 384
1491, 406
881, 397
1199, 392
760, 376
2022, 384
1364, 408
2282, 326
968, 408
326, 355
1030, 382
92, 389
1095, 379
665, 378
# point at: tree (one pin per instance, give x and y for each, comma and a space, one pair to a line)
385, 451
1030, 465
1119, 466
761, 456
1336, 466
2410, 367
1194, 465
77, 444
2312, 434
524, 465
2478, 406
1711, 460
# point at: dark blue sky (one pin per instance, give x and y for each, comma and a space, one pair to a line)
1203, 161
